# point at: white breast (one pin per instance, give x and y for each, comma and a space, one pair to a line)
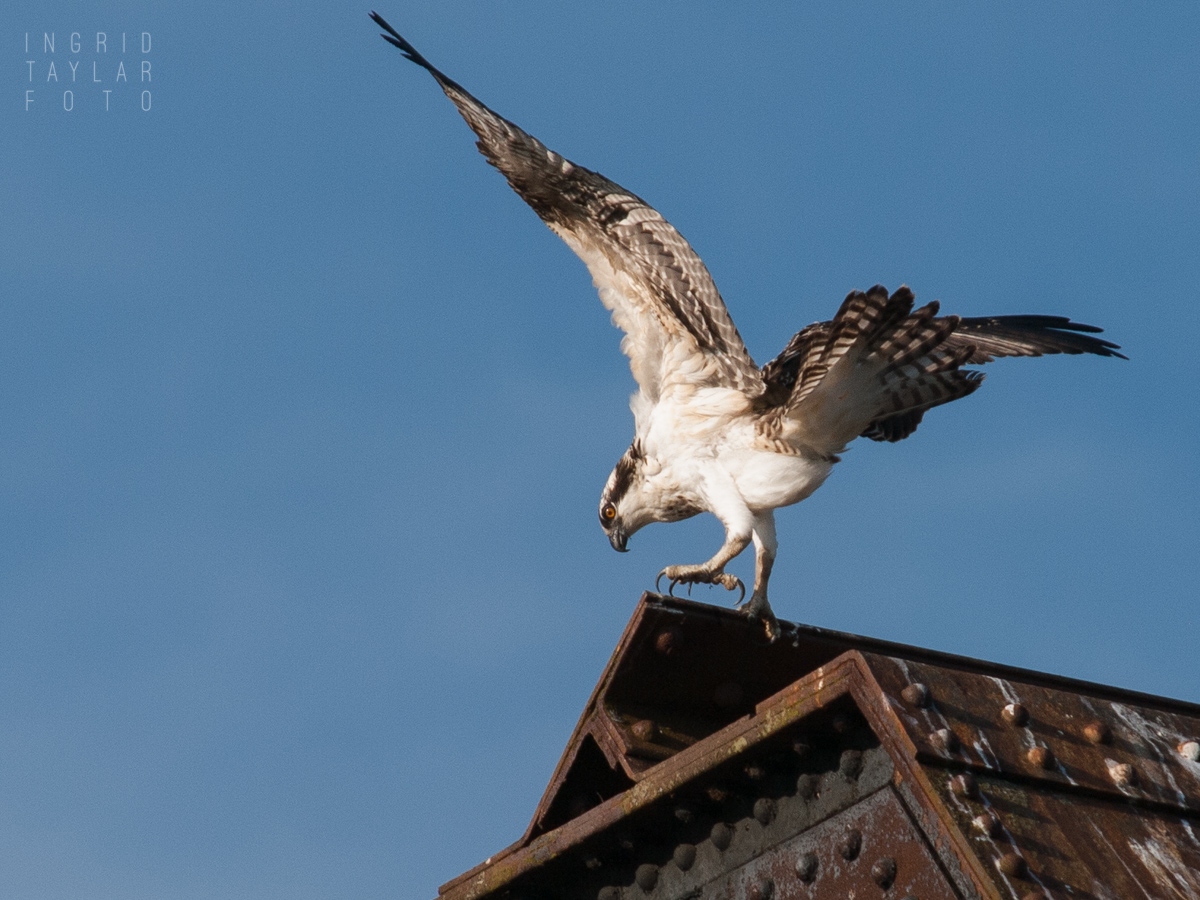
770, 480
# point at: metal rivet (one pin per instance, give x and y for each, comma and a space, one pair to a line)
806, 867
1015, 714
850, 765
645, 730
609, 893
755, 772
762, 889
988, 824
764, 810
684, 856
721, 836
1042, 757
1190, 750
728, 695
944, 740
884, 872
851, 844
806, 786
1122, 774
668, 640
1012, 865
717, 794
964, 785
916, 694
1097, 732
646, 876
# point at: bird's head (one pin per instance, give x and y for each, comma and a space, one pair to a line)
622, 509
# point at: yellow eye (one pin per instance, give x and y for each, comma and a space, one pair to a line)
609, 512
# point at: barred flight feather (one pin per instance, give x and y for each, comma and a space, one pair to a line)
996, 336
713, 432
667, 294
920, 335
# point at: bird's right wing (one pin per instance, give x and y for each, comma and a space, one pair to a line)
995, 336
879, 366
976, 341
677, 329
877, 359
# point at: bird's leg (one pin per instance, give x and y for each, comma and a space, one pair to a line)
765, 546
739, 525
713, 571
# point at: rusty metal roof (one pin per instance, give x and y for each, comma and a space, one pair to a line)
709, 763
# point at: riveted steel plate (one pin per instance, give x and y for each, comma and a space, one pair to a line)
1076, 845
1064, 737
707, 764
890, 849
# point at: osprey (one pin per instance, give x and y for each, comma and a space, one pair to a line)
714, 432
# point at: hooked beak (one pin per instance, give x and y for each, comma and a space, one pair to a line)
617, 537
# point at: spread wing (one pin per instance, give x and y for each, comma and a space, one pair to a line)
975, 341
879, 365
677, 329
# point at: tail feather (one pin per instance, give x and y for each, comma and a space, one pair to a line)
927, 391
894, 428
912, 397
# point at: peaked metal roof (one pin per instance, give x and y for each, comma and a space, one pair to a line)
711, 763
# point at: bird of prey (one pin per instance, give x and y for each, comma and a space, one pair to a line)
713, 431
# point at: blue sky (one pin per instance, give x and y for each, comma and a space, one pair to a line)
305, 415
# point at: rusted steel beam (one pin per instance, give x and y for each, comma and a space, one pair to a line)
871, 849
1031, 732
703, 756
1026, 781
709, 763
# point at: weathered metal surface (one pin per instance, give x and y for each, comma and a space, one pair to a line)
742, 844
1073, 844
870, 850
1096, 742
715, 776
680, 672
709, 764
1052, 792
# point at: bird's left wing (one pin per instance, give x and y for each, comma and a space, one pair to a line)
659, 291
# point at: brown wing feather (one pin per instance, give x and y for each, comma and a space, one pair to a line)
995, 336
658, 288
911, 360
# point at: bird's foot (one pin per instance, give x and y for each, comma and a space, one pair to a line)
690, 575
757, 608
